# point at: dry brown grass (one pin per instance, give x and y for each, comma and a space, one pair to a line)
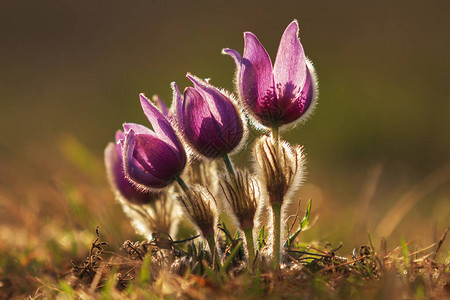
48, 227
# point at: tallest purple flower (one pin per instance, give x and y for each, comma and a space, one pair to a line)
279, 94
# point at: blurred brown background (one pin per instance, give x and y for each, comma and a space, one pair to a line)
71, 72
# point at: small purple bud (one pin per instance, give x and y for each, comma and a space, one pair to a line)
152, 158
208, 119
116, 175
278, 94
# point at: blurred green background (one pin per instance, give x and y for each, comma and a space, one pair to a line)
71, 72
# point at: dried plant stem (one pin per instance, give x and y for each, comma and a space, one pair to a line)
182, 184
229, 165
276, 207
248, 232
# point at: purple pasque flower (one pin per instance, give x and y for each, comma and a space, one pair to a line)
207, 118
116, 176
152, 158
278, 94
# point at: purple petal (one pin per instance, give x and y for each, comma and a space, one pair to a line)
160, 124
218, 125
194, 110
133, 169
200, 128
290, 65
149, 161
302, 103
221, 108
137, 128
120, 140
236, 56
257, 82
119, 136
178, 100
116, 177
161, 105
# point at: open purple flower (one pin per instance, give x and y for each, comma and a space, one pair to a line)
152, 158
208, 119
278, 94
116, 175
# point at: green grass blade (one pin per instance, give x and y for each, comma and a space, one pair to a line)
303, 224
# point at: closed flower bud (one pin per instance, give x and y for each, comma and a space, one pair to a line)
121, 186
280, 94
242, 193
152, 158
200, 206
281, 167
208, 119
203, 172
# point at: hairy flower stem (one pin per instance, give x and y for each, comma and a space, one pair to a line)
182, 184
276, 207
212, 248
248, 232
229, 165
